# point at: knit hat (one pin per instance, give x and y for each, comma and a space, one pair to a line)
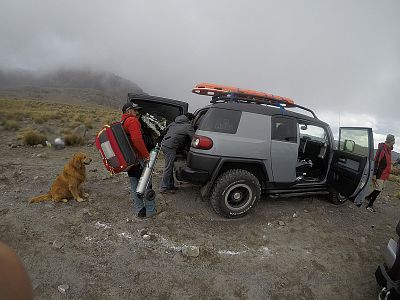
390, 138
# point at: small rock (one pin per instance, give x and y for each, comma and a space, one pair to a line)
3, 178
80, 130
146, 237
295, 215
63, 288
43, 155
143, 231
162, 214
58, 244
281, 223
36, 177
363, 240
305, 210
128, 220
39, 146
191, 251
93, 170
14, 146
86, 211
269, 224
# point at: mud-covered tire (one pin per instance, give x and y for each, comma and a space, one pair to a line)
235, 193
336, 198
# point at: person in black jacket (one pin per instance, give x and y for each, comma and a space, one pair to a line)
178, 133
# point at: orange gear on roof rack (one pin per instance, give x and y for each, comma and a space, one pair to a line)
211, 89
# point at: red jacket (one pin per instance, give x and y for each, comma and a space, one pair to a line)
134, 130
383, 162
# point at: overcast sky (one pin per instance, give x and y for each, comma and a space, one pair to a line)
340, 58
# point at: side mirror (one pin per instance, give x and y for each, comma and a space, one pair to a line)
349, 145
303, 127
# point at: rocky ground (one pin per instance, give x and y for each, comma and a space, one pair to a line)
302, 248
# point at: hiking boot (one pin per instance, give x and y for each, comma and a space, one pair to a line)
167, 191
371, 209
152, 215
142, 213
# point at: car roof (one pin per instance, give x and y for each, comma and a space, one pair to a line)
266, 110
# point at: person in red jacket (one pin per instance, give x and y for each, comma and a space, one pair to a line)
383, 164
143, 207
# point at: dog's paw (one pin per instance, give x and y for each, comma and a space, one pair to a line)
80, 199
85, 195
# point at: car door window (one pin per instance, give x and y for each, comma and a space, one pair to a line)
354, 141
284, 129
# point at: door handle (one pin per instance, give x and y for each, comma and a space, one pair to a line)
342, 160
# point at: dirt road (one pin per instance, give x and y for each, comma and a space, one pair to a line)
286, 249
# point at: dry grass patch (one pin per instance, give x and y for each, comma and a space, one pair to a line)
394, 178
11, 125
73, 139
33, 137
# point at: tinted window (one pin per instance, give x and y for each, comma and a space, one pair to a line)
284, 129
354, 140
220, 120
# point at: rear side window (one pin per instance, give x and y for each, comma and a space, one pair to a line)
284, 129
220, 120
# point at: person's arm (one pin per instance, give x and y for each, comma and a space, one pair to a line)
135, 133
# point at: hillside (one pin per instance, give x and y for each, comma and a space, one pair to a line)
67, 86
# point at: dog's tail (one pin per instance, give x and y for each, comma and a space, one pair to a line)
40, 198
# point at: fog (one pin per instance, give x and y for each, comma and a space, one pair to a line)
340, 58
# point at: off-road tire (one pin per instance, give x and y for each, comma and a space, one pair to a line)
336, 198
231, 189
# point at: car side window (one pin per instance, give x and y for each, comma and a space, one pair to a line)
312, 133
284, 129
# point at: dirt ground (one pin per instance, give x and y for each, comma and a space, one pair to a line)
298, 248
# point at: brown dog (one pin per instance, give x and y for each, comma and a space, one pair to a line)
68, 183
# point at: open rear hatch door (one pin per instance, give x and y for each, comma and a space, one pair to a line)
159, 107
352, 163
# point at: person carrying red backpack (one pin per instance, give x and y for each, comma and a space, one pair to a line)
130, 111
383, 164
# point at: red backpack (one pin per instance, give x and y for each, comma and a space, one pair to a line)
115, 148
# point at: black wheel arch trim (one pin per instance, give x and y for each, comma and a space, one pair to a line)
206, 189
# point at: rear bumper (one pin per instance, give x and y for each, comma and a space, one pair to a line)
190, 175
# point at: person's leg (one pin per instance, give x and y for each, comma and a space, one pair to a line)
378, 189
138, 204
372, 197
168, 175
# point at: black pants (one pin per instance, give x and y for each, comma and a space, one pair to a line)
372, 197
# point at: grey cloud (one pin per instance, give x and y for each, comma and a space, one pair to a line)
339, 56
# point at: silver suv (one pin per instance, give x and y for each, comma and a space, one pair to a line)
248, 146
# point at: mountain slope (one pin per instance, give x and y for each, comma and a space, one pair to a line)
68, 86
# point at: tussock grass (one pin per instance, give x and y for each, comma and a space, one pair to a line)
43, 117
73, 139
11, 125
394, 178
395, 170
67, 117
32, 137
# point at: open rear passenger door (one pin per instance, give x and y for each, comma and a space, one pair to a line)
352, 163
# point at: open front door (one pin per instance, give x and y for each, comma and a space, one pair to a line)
352, 163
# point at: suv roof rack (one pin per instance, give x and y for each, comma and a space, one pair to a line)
222, 93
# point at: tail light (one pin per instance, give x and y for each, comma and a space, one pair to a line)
202, 142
